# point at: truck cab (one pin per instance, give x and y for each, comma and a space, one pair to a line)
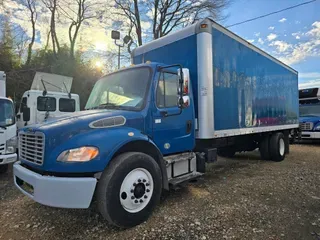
38, 106
309, 101
8, 129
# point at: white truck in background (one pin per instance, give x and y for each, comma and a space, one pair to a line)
48, 98
8, 128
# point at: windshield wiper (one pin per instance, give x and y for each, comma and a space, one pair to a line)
2, 127
105, 105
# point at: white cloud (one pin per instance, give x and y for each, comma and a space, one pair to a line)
271, 28
260, 41
309, 84
271, 36
310, 75
302, 50
282, 20
250, 40
281, 46
298, 37
297, 22
257, 34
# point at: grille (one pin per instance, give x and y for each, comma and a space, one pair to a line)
307, 126
31, 147
2, 149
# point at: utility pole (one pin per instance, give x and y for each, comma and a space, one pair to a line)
116, 36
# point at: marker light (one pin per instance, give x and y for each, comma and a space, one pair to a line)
82, 154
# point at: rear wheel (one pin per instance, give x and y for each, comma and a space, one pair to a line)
4, 168
264, 148
129, 189
277, 147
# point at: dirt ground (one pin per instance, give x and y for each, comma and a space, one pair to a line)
240, 198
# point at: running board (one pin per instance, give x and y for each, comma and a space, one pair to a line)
184, 178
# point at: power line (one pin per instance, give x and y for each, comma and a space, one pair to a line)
262, 16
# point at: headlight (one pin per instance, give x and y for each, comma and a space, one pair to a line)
82, 154
317, 127
11, 145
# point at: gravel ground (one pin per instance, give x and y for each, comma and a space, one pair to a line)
240, 198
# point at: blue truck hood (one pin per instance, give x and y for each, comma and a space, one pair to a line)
78, 122
313, 119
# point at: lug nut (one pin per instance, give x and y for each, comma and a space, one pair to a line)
134, 184
139, 180
147, 184
145, 196
144, 180
132, 197
141, 200
136, 201
131, 190
148, 190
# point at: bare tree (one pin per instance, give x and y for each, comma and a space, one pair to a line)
78, 11
31, 5
167, 15
52, 6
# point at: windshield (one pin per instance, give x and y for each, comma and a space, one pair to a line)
122, 90
7, 116
309, 110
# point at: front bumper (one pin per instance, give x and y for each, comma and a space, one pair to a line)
63, 192
310, 135
9, 158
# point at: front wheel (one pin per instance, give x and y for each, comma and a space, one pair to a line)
129, 189
4, 168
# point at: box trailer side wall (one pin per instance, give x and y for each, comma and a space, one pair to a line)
250, 89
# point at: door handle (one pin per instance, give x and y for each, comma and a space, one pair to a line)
189, 126
164, 113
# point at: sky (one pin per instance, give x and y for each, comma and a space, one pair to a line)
293, 36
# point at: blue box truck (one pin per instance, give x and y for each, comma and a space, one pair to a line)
189, 96
309, 106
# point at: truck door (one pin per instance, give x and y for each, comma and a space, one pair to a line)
173, 128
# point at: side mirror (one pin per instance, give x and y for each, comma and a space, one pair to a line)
26, 114
186, 81
184, 87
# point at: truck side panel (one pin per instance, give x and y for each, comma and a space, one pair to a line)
250, 90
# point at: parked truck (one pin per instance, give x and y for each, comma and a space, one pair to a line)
8, 130
49, 97
155, 124
309, 100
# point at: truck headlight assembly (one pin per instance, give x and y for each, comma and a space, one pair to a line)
317, 127
11, 145
82, 154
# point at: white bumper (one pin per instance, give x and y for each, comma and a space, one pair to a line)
310, 135
64, 192
9, 158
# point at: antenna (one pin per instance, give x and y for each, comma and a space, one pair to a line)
69, 94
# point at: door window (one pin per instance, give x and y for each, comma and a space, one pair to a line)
67, 105
167, 90
46, 104
23, 104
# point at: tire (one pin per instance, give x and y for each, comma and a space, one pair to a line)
277, 147
124, 184
264, 148
227, 152
4, 168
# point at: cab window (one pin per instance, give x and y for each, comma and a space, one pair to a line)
67, 105
46, 104
167, 90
